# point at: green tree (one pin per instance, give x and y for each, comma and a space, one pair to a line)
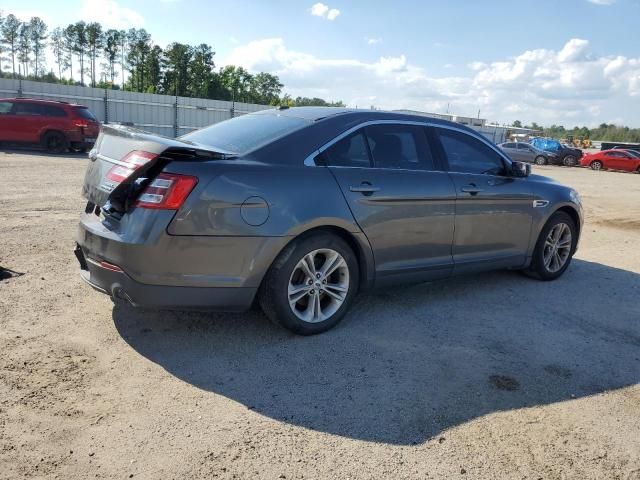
10, 34
201, 74
69, 45
112, 45
24, 48
154, 69
38, 33
517, 124
80, 45
265, 88
139, 42
95, 42
58, 47
177, 57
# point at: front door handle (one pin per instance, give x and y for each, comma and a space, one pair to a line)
365, 188
471, 188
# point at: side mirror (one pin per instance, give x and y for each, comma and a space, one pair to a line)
520, 169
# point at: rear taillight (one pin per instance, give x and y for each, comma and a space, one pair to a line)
167, 191
80, 123
134, 160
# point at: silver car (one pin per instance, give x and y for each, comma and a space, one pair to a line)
300, 209
524, 152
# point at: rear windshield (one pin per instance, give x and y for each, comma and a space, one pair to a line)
243, 134
85, 113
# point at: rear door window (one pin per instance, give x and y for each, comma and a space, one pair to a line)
5, 108
351, 151
399, 147
467, 154
24, 108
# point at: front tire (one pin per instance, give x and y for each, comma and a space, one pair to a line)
311, 284
569, 161
555, 247
596, 165
540, 160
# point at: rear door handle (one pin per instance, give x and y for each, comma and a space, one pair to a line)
365, 189
471, 188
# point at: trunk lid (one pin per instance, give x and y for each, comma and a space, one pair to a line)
124, 159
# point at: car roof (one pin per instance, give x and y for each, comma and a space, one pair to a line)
316, 114
41, 100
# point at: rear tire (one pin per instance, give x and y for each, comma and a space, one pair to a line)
596, 165
569, 161
555, 248
55, 142
540, 160
308, 304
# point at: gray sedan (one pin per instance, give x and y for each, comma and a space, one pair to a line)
523, 152
300, 209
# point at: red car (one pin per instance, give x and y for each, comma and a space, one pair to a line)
57, 126
613, 160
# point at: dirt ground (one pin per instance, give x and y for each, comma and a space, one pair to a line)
489, 376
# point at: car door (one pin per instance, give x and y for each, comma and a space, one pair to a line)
493, 209
511, 150
622, 161
26, 122
5, 120
525, 153
401, 198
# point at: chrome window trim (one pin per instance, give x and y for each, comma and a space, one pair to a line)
310, 160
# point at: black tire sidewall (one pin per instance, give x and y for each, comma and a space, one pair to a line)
566, 163
274, 294
63, 142
537, 262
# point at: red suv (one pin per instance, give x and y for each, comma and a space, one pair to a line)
57, 126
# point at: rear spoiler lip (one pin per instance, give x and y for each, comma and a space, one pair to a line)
169, 143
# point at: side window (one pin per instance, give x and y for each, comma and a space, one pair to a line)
400, 147
508, 145
23, 108
524, 146
51, 111
5, 108
467, 154
351, 151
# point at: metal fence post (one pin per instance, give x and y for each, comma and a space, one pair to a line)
106, 107
175, 118
19, 87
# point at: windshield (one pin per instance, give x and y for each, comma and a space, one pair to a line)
243, 134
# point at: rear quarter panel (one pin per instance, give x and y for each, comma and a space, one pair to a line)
292, 199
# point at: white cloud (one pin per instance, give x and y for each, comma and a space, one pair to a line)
319, 10
372, 41
110, 14
602, 2
333, 14
569, 85
323, 11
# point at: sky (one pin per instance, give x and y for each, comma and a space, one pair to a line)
569, 62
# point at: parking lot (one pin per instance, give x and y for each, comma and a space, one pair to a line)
487, 376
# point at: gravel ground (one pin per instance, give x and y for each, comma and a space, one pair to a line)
489, 376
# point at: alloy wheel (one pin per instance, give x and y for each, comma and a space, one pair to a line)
318, 285
557, 247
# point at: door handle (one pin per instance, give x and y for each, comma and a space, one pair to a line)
365, 188
471, 188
